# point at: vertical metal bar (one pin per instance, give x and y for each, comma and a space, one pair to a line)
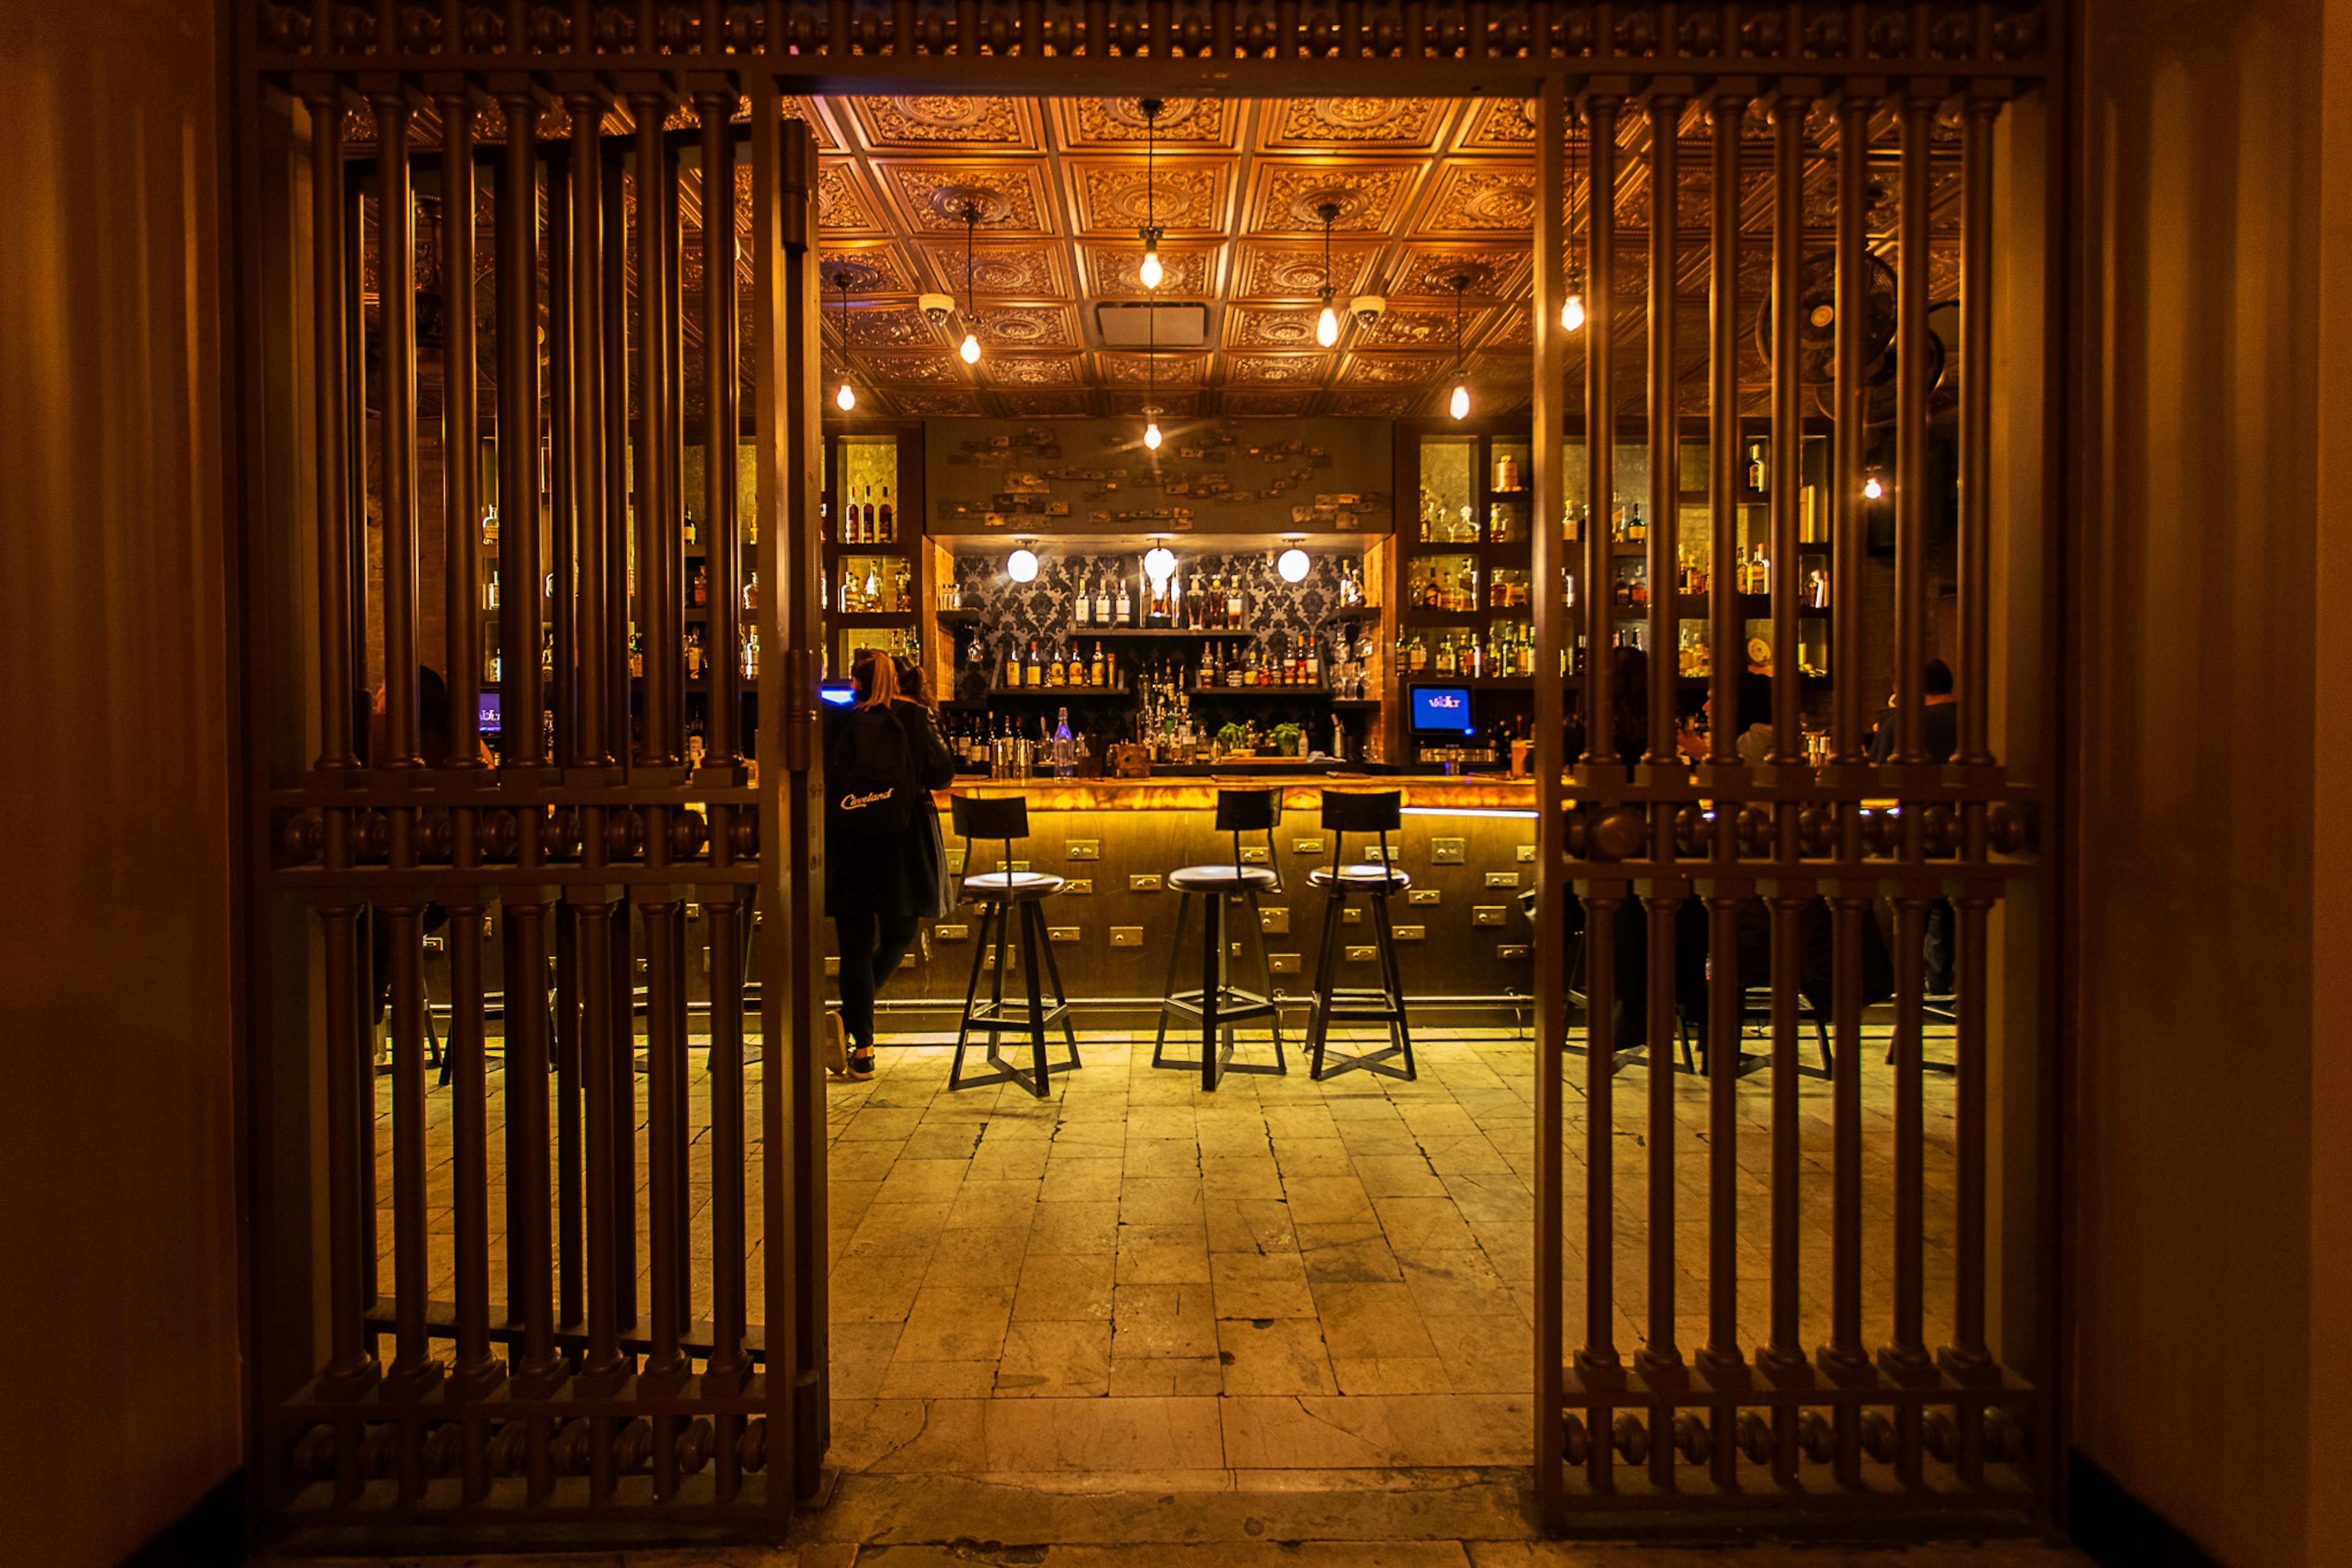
649, 107
414, 1368
620, 609
1720, 1358
1787, 474
461, 441
593, 748
476, 1369
330, 415
1966, 1359
620, 1000
602, 1367
562, 668
1844, 1359
1849, 523
666, 1367
522, 741
1976, 430
1599, 430
353, 595
1907, 1358
1660, 1360
1597, 1363
665, 648
349, 1366
529, 1239
723, 709
396, 314
571, 1196
1665, 110
728, 1369
1911, 497
1549, 567
1727, 117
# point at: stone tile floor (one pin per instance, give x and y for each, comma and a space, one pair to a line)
1135, 1278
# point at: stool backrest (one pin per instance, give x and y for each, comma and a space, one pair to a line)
1241, 811
1003, 817
1355, 811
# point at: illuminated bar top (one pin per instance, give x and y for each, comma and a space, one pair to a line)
1192, 793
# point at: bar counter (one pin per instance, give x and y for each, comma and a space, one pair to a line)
1468, 844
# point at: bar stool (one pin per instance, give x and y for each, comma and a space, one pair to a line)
1218, 1003
1346, 813
999, 893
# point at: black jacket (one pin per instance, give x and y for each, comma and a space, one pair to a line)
899, 874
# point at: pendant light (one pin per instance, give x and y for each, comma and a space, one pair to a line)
1150, 272
1150, 378
847, 398
1327, 325
1571, 313
971, 349
1460, 406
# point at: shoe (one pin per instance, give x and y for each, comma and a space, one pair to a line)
861, 1063
837, 1047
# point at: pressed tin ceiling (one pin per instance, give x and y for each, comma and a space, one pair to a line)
1427, 190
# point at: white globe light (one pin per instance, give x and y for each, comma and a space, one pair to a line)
1151, 435
1149, 271
846, 397
1327, 326
1571, 315
1292, 565
971, 349
1021, 564
1461, 404
1160, 564
1872, 490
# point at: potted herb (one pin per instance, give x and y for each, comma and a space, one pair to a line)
1285, 740
1234, 740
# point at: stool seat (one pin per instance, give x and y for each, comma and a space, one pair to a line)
1362, 875
1221, 879
1018, 886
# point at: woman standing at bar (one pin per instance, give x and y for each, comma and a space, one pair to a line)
884, 864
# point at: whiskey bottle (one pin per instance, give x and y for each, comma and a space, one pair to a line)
1125, 606
1082, 610
889, 518
1098, 673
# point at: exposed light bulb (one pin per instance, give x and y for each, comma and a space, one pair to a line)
1022, 565
1160, 564
1461, 404
1149, 271
846, 397
1571, 315
971, 349
1327, 326
1151, 435
1293, 565
1872, 490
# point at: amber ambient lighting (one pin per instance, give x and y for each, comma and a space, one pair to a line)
1327, 325
848, 396
1460, 406
1872, 490
971, 349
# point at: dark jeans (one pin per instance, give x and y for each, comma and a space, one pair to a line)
871, 947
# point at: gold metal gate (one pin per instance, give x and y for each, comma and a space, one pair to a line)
598, 144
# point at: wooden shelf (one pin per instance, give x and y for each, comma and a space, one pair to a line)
1310, 692
1164, 634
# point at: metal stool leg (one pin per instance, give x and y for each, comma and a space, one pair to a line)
1213, 982
963, 1024
1167, 986
1265, 979
1032, 933
1393, 981
1319, 1026
1061, 995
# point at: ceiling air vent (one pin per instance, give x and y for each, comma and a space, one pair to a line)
1164, 323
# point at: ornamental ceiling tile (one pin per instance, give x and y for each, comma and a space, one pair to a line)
941, 124
1088, 124
1278, 271
1286, 196
1047, 404
1311, 124
1276, 370
1427, 271
1268, 405
932, 199
939, 368
1032, 270
1187, 196
1394, 370
1029, 326
846, 207
942, 405
1481, 199
1249, 326
884, 326
872, 269
1162, 370
1363, 403
1038, 370
1500, 125
1111, 270
1419, 328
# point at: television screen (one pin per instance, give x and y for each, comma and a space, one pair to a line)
1441, 709
840, 696
489, 722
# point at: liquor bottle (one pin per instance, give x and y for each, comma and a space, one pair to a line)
873, 589
1102, 602
1082, 611
1315, 662
1125, 606
1236, 606
1056, 671
701, 585
546, 652
872, 532
492, 667
1034, 673
752, 653
1420, 656
889, 518
636, 654
752, 593
490, 526
1099, 672
1063, 765
1636, 530
693, 530
491, 590
1445, 663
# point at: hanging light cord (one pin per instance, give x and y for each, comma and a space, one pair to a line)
970, 300
1459, 285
